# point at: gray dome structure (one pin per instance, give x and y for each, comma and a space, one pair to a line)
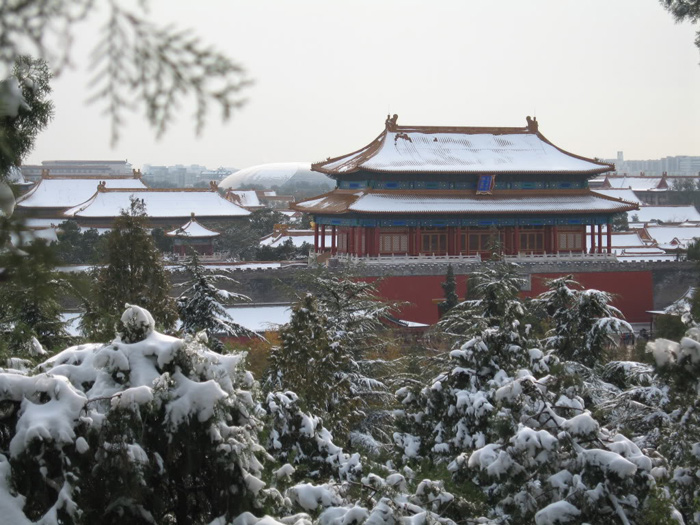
274, 174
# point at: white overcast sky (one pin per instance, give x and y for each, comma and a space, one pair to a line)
601, 76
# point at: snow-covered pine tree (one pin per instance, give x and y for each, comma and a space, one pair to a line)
133, 273
584, 322
202, 304
30, 312
313, 365
450, 289
153, 430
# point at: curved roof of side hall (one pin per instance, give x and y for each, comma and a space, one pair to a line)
433, 149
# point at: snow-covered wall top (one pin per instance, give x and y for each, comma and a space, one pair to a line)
401, 149
159, 203
68, 192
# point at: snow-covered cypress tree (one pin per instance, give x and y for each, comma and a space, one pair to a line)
450, 289
584, 322
313, 365
201, 305
134, 274
146, 429
30, 312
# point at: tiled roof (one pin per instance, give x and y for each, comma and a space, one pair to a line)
430, 149
159, 203
193, 230
461, 202
58, 192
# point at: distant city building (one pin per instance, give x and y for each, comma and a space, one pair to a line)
685, 165
77, 168
180, 176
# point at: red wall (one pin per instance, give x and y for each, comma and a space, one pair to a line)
633, 292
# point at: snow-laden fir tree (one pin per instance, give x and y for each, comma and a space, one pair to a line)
504, 419
133, 273
450, 289
201, 305
310, 363
146, 429
30, 311
585, 324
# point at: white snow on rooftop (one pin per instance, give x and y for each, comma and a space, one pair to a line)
246, 198
634, 183
386, 202
193, 229
163, 203
65, 193
667, 234
403, 151
624, 194
665, 214
261, 318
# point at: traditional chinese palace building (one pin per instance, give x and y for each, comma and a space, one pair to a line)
461, 191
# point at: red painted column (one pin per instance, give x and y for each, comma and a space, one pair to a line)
315, 238
411, 241
516, 244
334, 243
555, 239
450, 240
593, 248
458, 240
323, 237
351, 240
600, 238
377, 241
609, 232
418, 241
360, 241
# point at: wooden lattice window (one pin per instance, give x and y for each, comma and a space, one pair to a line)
531, 240
570, 239
434, 241
393, 241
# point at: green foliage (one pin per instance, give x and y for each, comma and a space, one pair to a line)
312, 365
201, 305
242, 240
162, 64
682, 11
163, 242
76, 247
134, 274
620, 222
19, 131
450, 289
669, 327
29, 301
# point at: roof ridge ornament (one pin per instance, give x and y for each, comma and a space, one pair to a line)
532, 125
391, 122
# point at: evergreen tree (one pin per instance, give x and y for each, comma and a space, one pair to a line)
313, 366
133, 274
585, 324
201, 305
450, 289
30, 312
25, 110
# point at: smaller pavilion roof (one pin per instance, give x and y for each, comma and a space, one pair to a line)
66, 192
193, 230
160, 203
462, 202
624, 194
434, 149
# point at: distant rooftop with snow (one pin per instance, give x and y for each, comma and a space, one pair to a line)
66, 192
160, 203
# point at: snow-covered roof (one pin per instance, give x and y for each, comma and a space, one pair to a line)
460, 201
666, 235
160, 203
193, 229
261, 318
244, 198
68, 192
665, 214
634, 183
401, 149
624, 194
298, 237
